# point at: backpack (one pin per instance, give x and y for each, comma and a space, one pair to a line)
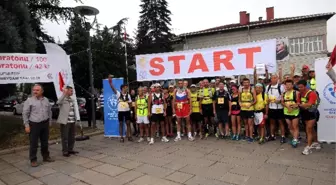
279, 88
121, 97
294, 96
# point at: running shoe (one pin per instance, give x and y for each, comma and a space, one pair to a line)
140, 140
157, 134
217, 136
148, 139
250, 140
237, 137
294, 143
233, 137
316, 146
306, 150
164, 139
191, 138
206, 135
177, 139
261, 141
283, 140
151, 141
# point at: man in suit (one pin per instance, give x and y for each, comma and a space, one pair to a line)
67, 119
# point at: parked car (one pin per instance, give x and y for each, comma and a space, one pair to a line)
8, 103
81, 108
18, 108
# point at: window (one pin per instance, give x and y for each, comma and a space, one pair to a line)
306, 44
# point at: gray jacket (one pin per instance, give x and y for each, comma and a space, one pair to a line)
64, 109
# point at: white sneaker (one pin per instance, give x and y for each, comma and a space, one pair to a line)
140, 140
316, 146
164, 139
307, 151
151, 141
182, 135
148, 139
157, 134
177, 139
191, 138
195, 134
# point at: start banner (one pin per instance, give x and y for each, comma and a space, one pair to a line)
219, 61
24, 68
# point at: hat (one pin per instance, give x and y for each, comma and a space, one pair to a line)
312, 70
230, 77
305, 67
258, 85
232, 81
261, 77
192, 85
157, 85
297, 75
171, 86
213, 81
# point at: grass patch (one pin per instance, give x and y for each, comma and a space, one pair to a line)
12, 132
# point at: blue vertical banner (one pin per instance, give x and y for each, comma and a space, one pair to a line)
111, 123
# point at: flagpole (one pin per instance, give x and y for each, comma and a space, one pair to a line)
125, 37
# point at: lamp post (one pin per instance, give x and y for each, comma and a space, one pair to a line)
89, 11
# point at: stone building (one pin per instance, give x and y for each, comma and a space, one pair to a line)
305, 36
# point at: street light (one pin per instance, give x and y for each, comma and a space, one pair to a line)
89, 11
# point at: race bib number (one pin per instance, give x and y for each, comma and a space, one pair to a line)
123, 105
179, 105
133, 104
272, 98
246, 104
220, 100
158, 110
234, 103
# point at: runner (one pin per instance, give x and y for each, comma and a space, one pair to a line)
141, 114
157, 106
222, 109
276, 112
133, 118
247, 100
308, 115
124, 113
260, 111
182, 109
235, 113
290, 101
169, 111
195, 117
206, 94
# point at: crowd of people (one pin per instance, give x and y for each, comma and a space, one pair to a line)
265, 106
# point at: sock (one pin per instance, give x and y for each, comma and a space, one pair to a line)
189, 134
152, 139
178, 134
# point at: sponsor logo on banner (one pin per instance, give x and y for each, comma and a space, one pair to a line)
207, 62
329, 93
112, 104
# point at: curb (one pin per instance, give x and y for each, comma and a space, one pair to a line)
52, 142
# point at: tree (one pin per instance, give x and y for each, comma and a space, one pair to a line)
154, 34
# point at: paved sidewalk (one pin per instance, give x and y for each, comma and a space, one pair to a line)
104, 161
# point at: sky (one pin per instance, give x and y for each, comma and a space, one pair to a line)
194, 15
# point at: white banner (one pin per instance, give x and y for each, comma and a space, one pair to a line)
24, 68
61, 66
327, 91
208, 62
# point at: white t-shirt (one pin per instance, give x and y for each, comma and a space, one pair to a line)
123, 106
273, 93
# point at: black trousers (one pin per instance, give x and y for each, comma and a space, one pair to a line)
39, 131
68, 132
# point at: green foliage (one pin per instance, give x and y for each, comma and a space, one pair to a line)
154, 34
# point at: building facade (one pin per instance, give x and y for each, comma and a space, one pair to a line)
306, 36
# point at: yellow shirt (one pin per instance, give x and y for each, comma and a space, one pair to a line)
246, 98
260, 103
206, 95
194, 102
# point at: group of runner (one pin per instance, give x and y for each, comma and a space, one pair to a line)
224, 104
